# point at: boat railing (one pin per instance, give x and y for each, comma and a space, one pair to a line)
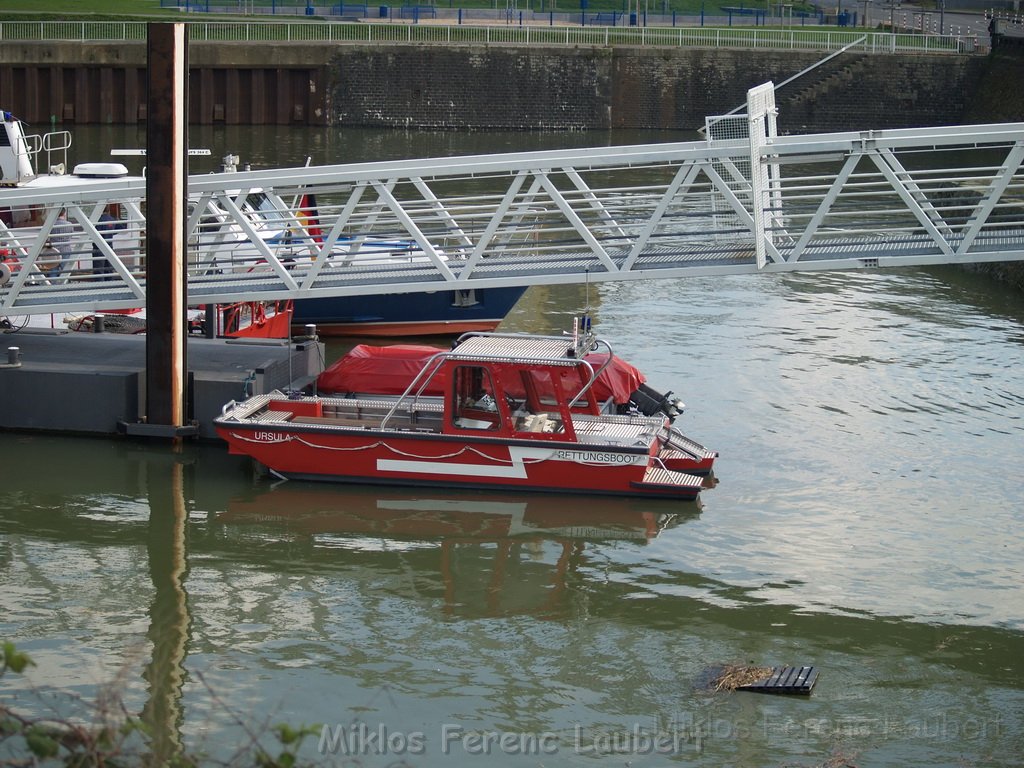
657, 461
29, 147
33, 145
56, 143
593, 374
244, 409
418, 384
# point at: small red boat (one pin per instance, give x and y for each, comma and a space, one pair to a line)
514, 412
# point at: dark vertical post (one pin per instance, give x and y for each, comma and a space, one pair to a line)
166, 193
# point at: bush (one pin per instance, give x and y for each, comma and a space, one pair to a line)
120, 739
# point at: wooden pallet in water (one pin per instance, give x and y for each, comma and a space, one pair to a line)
787, 680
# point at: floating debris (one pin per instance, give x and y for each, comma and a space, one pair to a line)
790, 680
733, 676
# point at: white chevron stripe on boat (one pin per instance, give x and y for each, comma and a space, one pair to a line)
516, 468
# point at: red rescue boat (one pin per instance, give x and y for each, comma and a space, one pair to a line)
514, 412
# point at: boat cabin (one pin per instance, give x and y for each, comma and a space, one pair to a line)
509, 386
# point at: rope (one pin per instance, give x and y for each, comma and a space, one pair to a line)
396, 451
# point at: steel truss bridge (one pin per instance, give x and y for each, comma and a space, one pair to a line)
743, 201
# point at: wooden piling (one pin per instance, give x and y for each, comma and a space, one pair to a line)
166, 194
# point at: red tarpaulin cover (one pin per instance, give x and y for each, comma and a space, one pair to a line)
389, 371
379, 370
618, 381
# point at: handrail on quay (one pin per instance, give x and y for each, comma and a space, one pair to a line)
811, 39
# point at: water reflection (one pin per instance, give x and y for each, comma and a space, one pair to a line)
169, 616
532, 613
492, 553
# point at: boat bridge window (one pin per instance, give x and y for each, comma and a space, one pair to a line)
547, 389
475, 405
260, 206
536, 404
259, 201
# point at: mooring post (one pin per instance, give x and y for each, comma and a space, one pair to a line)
166, 195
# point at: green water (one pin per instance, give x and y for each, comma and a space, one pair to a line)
867, 521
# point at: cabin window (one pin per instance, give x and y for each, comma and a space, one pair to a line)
259, 201
536, 406
540, 389
475, 405
263, 208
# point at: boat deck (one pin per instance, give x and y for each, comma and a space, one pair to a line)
618, 430
425, 415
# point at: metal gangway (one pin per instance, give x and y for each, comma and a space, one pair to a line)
743, 201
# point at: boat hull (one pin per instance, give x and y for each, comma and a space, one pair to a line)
437, 313
390, 458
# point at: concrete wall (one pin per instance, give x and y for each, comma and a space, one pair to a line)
471, 87
544, 88
480, 87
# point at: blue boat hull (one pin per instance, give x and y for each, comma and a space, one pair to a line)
408, 314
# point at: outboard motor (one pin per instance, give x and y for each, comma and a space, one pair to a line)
649, 402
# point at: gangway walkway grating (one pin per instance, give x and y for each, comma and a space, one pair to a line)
762, 203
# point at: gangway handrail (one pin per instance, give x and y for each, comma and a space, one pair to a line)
703, 129
845, 200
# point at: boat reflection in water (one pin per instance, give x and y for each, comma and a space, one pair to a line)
500, 554
453, 514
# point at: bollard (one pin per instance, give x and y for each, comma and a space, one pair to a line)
14, 356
